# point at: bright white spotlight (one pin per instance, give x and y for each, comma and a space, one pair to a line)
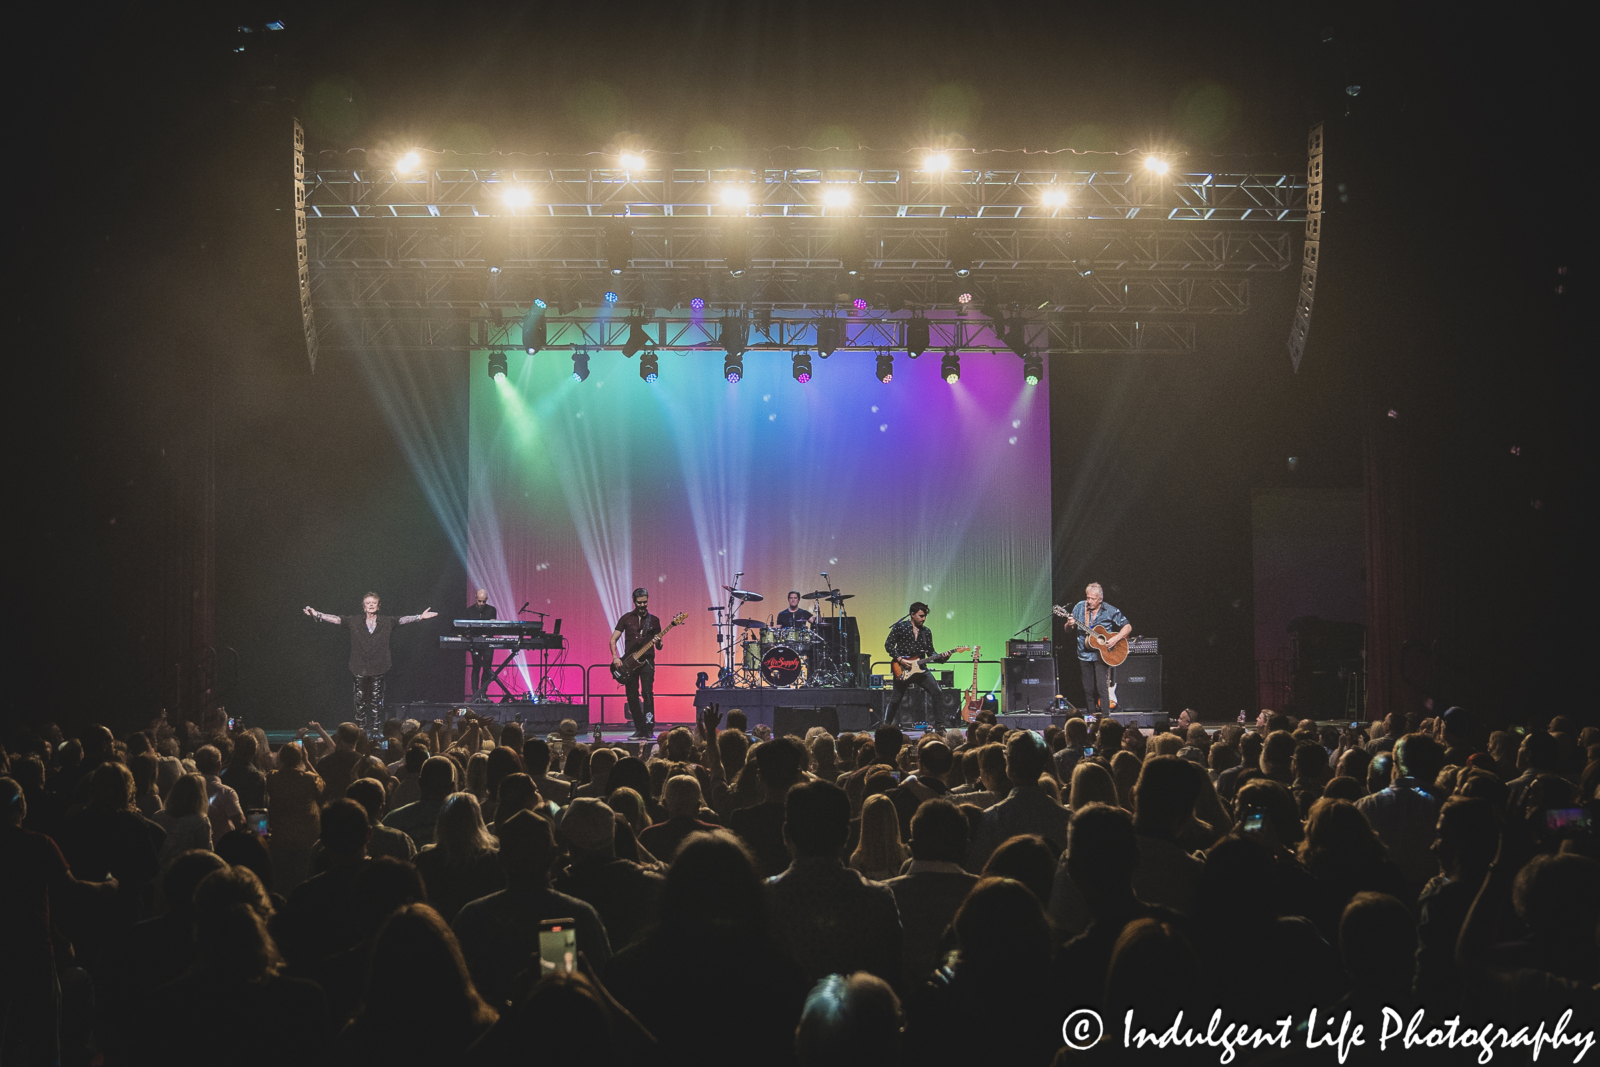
632, 161
734, 196
838, 196
516, 196
408, 163
1054, 197
1156, 164
938, 162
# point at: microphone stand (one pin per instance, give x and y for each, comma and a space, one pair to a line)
1028, 629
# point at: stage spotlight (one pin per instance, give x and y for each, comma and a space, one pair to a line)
632, 161
516, 196
497, 366
733, 196
859, 303
580, 366
610, 297
736, 247
916, 336
801, 367
950, 367
698, 303
885, 367
407, 163
733, 368
735, 333
535, 335
649, 367
1156, 164
964, 299
837, 196
937, 163
1054, 197
637, 338
539, 303
1032, 368
830, 336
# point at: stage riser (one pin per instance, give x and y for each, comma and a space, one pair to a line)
537, 719
856, 709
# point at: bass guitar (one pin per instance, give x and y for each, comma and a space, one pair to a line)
972, 703
910, 667
1099, 639
629, 665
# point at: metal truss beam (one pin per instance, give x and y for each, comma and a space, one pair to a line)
1102, 187
1135, 294
699, 245
1054, 334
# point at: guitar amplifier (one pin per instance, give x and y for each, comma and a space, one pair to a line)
1028, 648
1143, 646
1138, 683
1030, 683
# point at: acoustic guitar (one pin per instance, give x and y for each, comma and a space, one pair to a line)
910, 667
972, 703
1099, 639
635, 658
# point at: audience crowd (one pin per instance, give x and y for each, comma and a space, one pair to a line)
180, 896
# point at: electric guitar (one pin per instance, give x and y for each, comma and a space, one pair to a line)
910, 667
635, 658
1099, 639
972, 703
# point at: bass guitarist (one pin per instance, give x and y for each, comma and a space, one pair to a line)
910, 645
639, 629
1086, 614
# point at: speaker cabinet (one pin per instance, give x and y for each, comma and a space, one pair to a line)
798, 720
1030, 683
1138, 683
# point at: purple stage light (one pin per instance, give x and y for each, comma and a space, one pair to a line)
698, 303
860, 304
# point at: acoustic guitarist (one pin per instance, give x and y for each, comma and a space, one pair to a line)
910, 646
1086, 614
639, 629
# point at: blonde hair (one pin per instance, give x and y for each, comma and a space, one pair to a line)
880, 848
187, 797
1091, 783
459, 832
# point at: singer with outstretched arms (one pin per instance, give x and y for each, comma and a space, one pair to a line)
369, 654
910, 646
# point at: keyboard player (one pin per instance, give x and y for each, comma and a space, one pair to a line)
482, 661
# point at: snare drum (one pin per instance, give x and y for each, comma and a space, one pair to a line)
780, 665
752, 654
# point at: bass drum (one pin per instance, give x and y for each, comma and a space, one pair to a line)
781, 665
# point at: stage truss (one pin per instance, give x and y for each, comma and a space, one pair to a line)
1129, 262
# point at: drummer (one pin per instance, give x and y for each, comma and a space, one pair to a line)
794, 617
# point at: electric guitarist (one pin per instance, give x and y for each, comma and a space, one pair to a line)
1085, 616
910, 646
639, 630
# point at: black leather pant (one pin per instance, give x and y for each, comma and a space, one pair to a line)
482, 668
369, 703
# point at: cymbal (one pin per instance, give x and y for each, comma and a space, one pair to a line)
817, 595
756, 623
743, 594
839, 598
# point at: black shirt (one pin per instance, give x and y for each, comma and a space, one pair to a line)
907, 641
635, 629
369, 652
479, 611
793, 618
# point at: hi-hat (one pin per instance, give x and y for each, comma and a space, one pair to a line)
756, 623
743, 594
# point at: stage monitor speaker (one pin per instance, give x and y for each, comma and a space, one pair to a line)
798, 720
1030, 683
1138, 683
1032, 720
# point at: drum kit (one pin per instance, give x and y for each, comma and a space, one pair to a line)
812, 653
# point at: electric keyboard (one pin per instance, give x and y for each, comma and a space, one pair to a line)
485, 642
502, 626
